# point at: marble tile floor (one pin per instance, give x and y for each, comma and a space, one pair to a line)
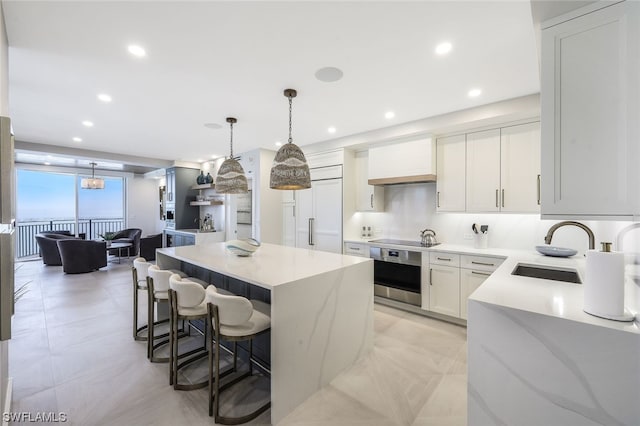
72, 352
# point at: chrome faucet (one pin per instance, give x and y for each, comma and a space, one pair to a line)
554, 228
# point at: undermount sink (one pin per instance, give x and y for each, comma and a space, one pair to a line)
547, 273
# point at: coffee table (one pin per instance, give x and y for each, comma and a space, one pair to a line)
119, 247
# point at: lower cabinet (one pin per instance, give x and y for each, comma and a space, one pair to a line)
453, 277
469, 281
177, 239
356, 249
444, 290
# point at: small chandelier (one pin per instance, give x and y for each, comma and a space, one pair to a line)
290, 169
231, 178
93, 182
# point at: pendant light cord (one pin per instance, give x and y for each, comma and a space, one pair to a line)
290, 112
231, 142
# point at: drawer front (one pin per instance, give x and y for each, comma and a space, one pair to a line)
442, 258
480, 263
355, 249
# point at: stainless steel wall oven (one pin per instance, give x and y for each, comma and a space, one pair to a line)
397, 274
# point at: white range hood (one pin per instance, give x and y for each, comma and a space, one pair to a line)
402, 163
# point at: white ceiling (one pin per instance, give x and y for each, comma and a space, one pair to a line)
208, 60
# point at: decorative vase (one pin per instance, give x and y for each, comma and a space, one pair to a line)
108, 243
201, 179
208, 178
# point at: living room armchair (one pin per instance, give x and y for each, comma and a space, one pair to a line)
80, 256
130, 235
148, 246
48, 244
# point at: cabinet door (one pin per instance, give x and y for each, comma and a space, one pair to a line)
450, 174
590, 107
326, 226
368, 197
444, 290
470, 280
520, 168
483, 171
304, 214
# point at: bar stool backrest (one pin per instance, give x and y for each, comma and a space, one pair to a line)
142, 266
189, 294
160, 278
232, 310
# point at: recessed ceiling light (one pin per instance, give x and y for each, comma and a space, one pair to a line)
278, 143
46, 163
331, 129
389, 115
474, 93
444, 48
76, 139
104, 97
329, 74
87, 123
136, 50
199, 160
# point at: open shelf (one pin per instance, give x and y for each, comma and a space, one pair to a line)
204, 186
206, 203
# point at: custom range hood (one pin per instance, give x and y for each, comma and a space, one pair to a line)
402, 163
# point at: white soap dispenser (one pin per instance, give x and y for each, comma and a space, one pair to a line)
604, 285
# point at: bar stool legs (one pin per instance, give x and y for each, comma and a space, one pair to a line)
136, 288
215, 388
174, 354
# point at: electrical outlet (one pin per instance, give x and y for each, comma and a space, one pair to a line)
468, 236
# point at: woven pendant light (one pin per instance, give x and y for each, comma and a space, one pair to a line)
290, 169
231, 178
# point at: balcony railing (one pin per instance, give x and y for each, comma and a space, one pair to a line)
26, 231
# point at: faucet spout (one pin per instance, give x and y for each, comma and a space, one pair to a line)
554, 228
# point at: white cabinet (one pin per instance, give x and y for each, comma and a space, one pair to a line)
520, 168
356, 249
469, 281
318, 212
450, 172
590, 105
483, 171
368, 197
444, 283
503, 169
402, 162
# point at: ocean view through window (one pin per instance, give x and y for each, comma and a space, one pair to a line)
55, 201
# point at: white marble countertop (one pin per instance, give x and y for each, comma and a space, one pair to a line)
545, 297
270, 266
193, 231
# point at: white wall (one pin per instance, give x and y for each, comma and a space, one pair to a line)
143, 203
411, 208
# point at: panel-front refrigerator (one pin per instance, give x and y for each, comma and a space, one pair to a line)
7, 227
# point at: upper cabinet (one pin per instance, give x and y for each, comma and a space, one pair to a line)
496, 170
590, 107
369, 198
450, 186
406, 162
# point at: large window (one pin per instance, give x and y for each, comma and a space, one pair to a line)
55, 201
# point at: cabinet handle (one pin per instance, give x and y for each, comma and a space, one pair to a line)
311, 231
482, 263
443, 258
371, 200
503, 198
480, 273
438, 199
497, 202
354, 248
430, 270
538, 189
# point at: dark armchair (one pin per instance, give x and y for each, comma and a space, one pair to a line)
148, 246
80, 256
132, 236
48, 243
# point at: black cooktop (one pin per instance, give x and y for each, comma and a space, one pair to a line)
400, 242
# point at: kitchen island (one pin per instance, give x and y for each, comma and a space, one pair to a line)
321, 309
534, 356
